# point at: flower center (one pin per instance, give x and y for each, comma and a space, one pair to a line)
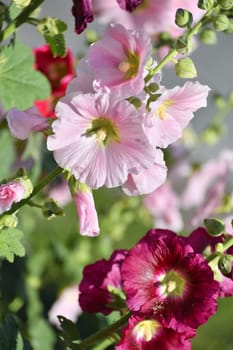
104, 130
130, 65
145, 330
56, 71
141, 7
161, 111
172, 284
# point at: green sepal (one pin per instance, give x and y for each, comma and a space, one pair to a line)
215, 227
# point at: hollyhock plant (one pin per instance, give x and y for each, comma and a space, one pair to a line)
148, 334
164, 278
13, 192
100, 139
22, 123
119, 59
101, 286
88, 219
172, 112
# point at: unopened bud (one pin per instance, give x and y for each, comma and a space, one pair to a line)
230, 99
213, 133
135, 101
208, 36
226, 4
153, 87
51, 209
183, 18
183, 45
225, 264
206, 4
215, 226
221, 23
185, 68
219, 101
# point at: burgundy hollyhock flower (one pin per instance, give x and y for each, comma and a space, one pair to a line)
100, 281
83, 14
164, 278
149, 334
129, 5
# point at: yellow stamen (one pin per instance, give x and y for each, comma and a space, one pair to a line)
146, 329
161, 111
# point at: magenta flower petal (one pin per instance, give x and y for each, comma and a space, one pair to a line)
83, 14
129, 5
94, 289
164, 278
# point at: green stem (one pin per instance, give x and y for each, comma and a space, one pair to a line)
173, 52
19, 20
49, 178
228, 243
103, 334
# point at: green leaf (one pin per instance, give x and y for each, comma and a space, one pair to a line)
52, 29
10, 244
20, 83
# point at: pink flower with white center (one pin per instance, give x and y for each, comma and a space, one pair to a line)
164, 278
88, 218
23, 123
99, 282
13, 192
66, 305
172, 112
100, 139
148, 180
149, 334
119, 59
164, 206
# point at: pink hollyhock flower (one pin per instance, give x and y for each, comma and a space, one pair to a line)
172, 112
13, 192
164, 278
23, 123
148, 180
101, 284
88, 219
83, 14
200, 240
164, 206
66, 305
119, 58
129, 5
100, 139
149, 334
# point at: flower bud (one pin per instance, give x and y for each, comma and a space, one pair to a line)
230, 99
183, 45
226, 4
219, 101
153, 87
51, 209
215, 226
221, 23
208, 36
206, 4
225, 264
185, 68
183, 18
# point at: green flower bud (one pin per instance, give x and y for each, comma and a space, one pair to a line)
226, 4
153, 87
230, 99
208, 36
183, 18
225, 264
8, 221
206, 4
221, 23
215, 226
230, 26
213, 133
219, 101
135, 101
51, 209
185, 68
22, 3
27, 185
183, 45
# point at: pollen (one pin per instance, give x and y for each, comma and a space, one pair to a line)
161, 111
146, 330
